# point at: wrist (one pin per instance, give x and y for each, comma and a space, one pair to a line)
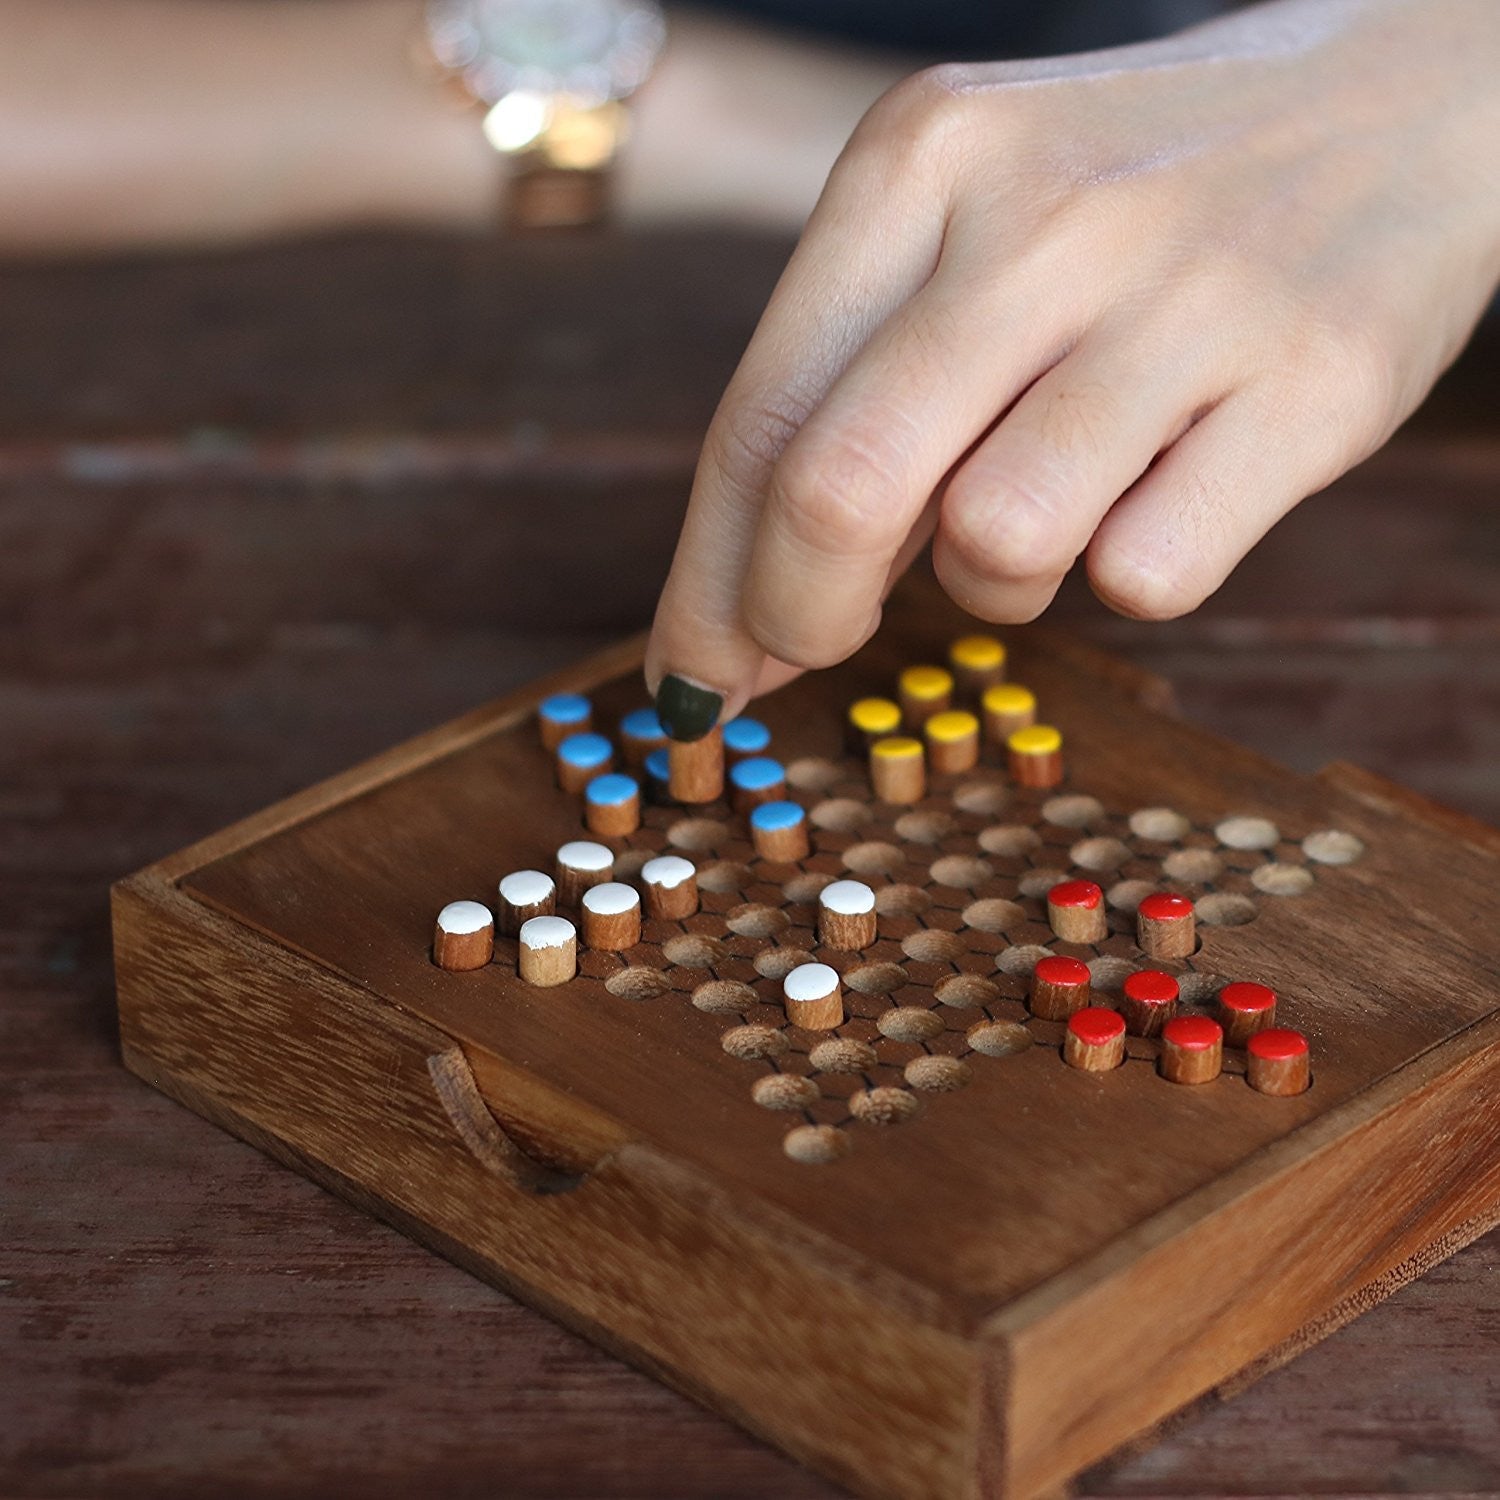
741, 123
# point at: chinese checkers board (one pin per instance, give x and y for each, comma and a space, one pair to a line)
947, 1128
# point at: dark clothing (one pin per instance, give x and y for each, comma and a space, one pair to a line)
960, 30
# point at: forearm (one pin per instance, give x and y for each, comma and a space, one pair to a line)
159, 122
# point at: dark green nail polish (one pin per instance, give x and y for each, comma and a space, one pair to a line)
687, 711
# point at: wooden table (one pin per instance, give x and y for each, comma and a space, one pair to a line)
229, 495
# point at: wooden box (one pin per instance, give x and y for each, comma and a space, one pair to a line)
1021, 1268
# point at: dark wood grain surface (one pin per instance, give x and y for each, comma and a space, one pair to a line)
263, 515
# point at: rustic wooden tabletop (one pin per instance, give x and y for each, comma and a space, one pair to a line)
266, 513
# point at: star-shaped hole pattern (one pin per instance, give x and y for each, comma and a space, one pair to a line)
960, 882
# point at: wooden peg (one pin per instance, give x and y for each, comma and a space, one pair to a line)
671, 886
868, 720
464, 937
1192, 1049
1278, 1061
755, 780
1075, 908
525, 894
813, 998
696, 768
952, 741
978, 662
612, 805
1244, 1010
611, 916
547, 951
1095, 1040
581, 864
1035, 754
561, 715
1148, 1000
846, 915
580, 758
1165, 925
744, 739
658, 772
898, 771
1005, 709
640, 734
1059, 987
923, 691
779, 832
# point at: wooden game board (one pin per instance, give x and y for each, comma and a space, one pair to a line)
936, 1261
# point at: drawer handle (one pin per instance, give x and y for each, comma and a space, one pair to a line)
481, 1132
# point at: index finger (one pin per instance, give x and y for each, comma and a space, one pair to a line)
858, 260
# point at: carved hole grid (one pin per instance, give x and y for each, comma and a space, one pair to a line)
960, 881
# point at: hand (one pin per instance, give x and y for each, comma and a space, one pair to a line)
1132, 305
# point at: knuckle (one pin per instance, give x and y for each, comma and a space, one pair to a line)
1009, 530
1168, 570
841, 495
1181, 566
1003, 602
748, 438
1156, 589
1345, 395
1167, 596
913, 124
1357, 368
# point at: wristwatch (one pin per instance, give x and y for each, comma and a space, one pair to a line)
551, 79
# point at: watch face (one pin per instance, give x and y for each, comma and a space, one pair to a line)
589, 50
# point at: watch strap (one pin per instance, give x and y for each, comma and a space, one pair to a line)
541, 196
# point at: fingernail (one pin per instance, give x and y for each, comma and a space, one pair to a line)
687, 711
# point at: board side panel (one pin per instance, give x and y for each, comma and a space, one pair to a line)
1368, 1296
641, 1255
1273, 1268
